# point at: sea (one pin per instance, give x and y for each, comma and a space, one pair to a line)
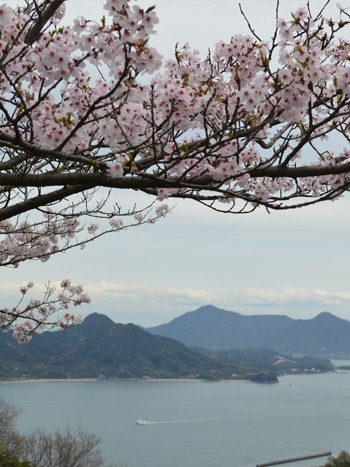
196, 423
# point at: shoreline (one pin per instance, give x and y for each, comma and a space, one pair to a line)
47, 380
83, 380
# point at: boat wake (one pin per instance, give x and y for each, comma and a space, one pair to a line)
197, 420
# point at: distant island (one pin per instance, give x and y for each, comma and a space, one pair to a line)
100, 348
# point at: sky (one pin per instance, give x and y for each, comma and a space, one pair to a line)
293, 263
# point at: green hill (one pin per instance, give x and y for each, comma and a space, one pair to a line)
100, 347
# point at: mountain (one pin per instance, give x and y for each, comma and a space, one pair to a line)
101, 348
214, 328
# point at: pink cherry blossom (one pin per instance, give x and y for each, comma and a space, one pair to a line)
90, 105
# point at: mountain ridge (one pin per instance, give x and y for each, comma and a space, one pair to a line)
214, 328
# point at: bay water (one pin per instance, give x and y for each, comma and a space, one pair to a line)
193, 423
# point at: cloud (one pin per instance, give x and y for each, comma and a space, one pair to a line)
150, 306
292, 294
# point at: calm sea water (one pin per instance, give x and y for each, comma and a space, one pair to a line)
197, 424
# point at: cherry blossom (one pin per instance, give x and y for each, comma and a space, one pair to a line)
91, 106
28, 317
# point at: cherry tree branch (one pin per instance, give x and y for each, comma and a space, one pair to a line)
44, 13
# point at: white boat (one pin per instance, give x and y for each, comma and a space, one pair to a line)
142, 421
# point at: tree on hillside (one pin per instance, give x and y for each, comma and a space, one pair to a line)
8, 460
342, 460
86, 109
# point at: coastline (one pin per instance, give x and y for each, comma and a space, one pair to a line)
82, 380
47, 380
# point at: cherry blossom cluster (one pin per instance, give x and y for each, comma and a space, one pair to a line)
256, 118
225, 116
45, 86
34, 315
33, 241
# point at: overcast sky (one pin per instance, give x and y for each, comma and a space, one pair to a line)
293, 263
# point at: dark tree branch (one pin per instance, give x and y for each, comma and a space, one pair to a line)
49, 8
